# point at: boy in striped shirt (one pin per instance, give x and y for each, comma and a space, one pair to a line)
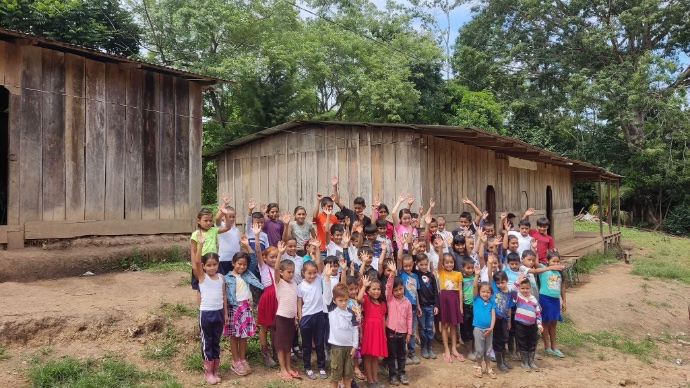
527, 323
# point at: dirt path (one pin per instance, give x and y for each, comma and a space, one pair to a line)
120, 313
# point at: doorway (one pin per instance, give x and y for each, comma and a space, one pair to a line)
491, 205
549, 208
4, 156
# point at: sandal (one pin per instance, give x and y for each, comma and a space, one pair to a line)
447, 358
285, 376
558, 353
478, 371
295, 374
491, 373
459, 357
359, 375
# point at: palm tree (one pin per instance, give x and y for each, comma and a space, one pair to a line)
624, 192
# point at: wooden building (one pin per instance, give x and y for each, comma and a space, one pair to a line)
96, 144
290, 163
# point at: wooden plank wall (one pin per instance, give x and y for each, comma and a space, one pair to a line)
90, 141
291, 167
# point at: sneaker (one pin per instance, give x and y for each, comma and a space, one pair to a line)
492, 355
297, 351
380, 384
432, 355
425, 354
558, 353
246, 366
293, 357
403, 379
408, 361
323, 374
549, 352
238, 368
310, 374
415, 360
394, 380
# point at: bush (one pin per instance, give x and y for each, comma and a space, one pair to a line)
678, 221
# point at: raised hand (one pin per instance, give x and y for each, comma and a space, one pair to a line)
477, 270
347, 220
391, 266
506, 225
533, 244
334, 180
285, 217
401, 197
226, 199
244, 240
438, 243
384, 247
421, 210
410, 199
529, 212
432, 203
467, 201
427, 218
504, 215
256, 229
498, 240
252, 203
346, 237
376, 203
485, 215
366, 282
319, 197
200, 238
327, 270
315, 242
449, 239
483, 238
263, 208
328, 212
281, 247
342, 263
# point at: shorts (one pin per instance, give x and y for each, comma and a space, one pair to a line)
341, 363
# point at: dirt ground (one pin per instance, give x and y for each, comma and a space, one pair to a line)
119, 313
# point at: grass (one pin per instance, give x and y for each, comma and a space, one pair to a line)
165, 347
591, 261
179, 309
644, 349
663, 256
165, 260
3, 353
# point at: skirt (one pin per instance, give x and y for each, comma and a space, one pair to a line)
268, 305
550, 308
284, 333
449, 309
241, 323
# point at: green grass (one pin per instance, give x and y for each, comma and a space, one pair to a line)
165, 347
172, 259
179, 309
664, 256
3, 353
644, 349
591, 261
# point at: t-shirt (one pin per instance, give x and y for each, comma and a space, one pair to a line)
389, 246
320, 233
401, 234
484, 274
263, 237
228, 243
210, 240
274, 231
512, 277
503, 300
301, 233
356, 308
532, 281
411, 285
481, 312
472, 228
550, 283
332, 249
523, 241
449, 280
266, 273
467, 288
299, 263
353, 217
286, 293
242, 291
544, 244
312, 296
433, 259
445, 235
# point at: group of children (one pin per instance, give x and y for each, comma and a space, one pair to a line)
355, 289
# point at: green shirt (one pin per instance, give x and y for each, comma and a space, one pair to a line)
467, 289
550, 283
210, 241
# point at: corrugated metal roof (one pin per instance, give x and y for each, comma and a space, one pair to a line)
11, 35
468, 135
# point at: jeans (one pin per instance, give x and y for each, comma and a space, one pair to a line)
466, 329
410, 344
396, 352
527, 336
313, 328
500, 334
426, 322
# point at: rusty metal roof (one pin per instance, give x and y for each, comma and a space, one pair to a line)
15, 36
467, 135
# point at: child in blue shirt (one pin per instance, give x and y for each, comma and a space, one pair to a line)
512, 270
503, 298
483, 320
411, 285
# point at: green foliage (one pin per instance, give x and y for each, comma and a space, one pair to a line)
178, 309
474, 109
591, 261
70, 372
98, 24
4, 355
165, 347
678, 221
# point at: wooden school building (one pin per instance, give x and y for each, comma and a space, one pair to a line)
95, 144
291, 162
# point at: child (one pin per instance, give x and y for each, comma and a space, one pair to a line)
312, 325
344, 334
213, 309
255, 218
286, 293
373, 328
204, 222
398, 327
512, 272
273, 227
466, 221
239, 300
404, 232
228, 242
503, 299
451, 306
524, 239
291, 254
435, 253
457, 251
483, 321
527, 322
544, 241
268, 304
299, 229
447, 235
411, 286
428, 303
382, 230
319, 218
551, 292
352, 284
357, 211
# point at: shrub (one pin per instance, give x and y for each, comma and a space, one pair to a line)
678, 221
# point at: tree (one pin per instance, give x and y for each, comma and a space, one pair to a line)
99, 24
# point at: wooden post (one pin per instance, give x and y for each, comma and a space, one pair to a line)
601, 225
618, 195
609, 217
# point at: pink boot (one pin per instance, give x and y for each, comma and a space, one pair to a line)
216, 370
208, 372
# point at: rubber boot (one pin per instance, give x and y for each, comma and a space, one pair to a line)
470, 350
208, 372
531, 363
266, 354
524, 357
506, 361
424, 345
512, 347
429, 349
216, 370
499, 362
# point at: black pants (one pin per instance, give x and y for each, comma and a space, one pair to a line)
526, 336
466, 328
500, 334
397, 351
